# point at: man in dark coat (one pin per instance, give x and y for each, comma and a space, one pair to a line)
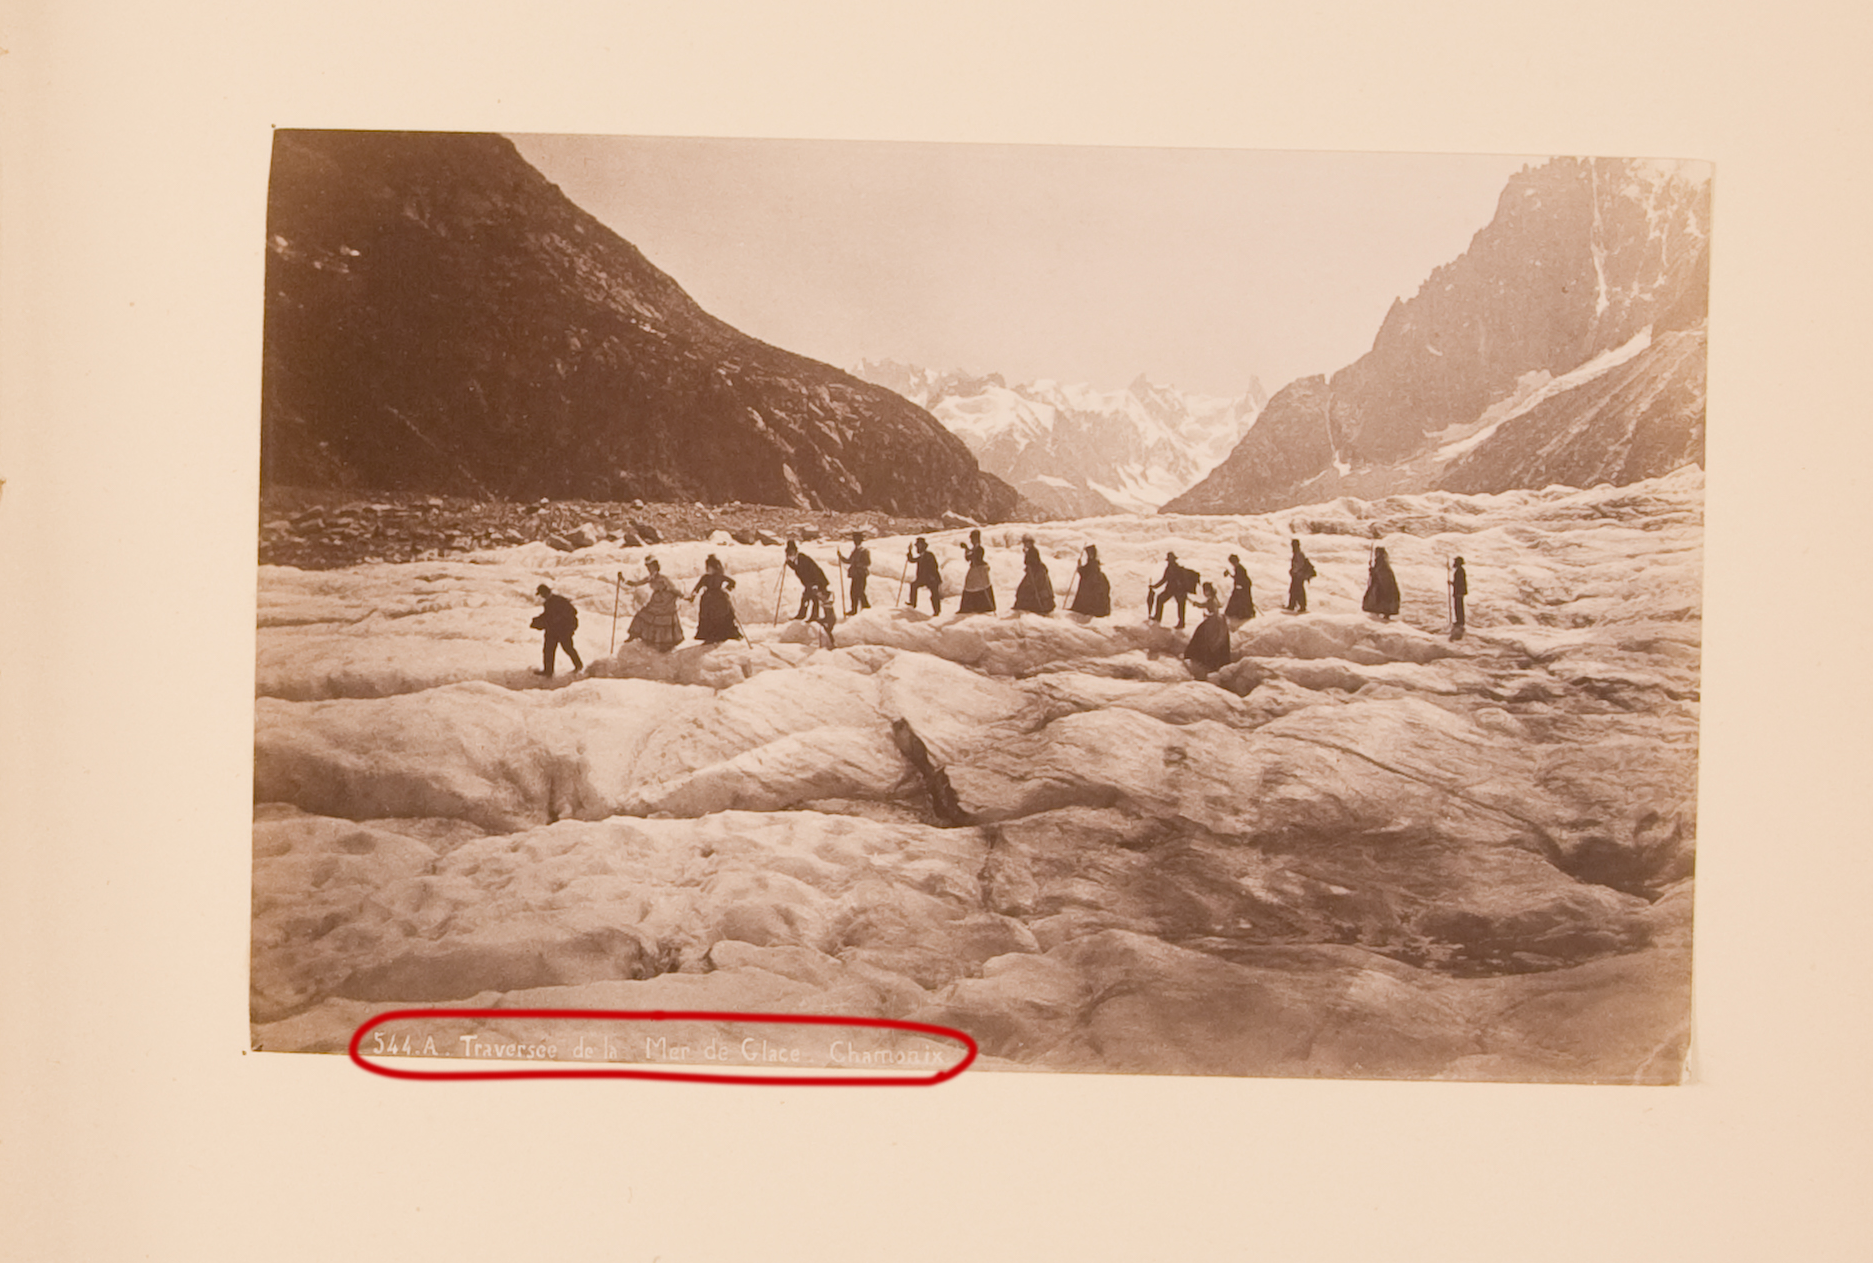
929, 577
1459, 588
816, 594
558, 620
1300, 570
857, 571
1177, 584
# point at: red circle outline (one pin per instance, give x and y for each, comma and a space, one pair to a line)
675, 1076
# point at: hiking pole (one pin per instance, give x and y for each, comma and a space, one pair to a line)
901, 576
617, 590
779, 587
1450, 590
1076, 578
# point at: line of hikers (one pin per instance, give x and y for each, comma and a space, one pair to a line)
656, 622
1091, 593
658, 625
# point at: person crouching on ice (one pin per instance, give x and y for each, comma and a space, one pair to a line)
929, 577
816, 589
558, 620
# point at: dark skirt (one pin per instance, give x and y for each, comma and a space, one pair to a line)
1241, 602
1208, 650
1381, 592
1094, 596
977, 601
1036, 593
715, 618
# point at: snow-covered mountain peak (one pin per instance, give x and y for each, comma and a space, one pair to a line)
1074, 448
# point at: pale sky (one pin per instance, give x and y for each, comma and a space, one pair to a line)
1195, 267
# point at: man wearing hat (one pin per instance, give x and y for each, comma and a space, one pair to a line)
558, 620
816, 589
1178, 584
858, 570
929, 577
1300, 570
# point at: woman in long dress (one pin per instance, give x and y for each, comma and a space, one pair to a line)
715, 613
1208, 650
657, 624
1381, 587
1036, 593
1242, 594
978, 597
1093, 595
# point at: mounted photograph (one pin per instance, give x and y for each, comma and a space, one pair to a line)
1151, 611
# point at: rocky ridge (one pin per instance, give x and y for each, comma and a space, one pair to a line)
1585, 259
321, 530
440, 319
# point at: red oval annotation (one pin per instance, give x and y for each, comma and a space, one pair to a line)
842, 1080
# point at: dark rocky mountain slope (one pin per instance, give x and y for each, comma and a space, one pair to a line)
440, 318
1584, 298
1631, 423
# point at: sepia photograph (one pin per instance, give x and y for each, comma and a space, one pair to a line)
1155, 583
1153, 611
